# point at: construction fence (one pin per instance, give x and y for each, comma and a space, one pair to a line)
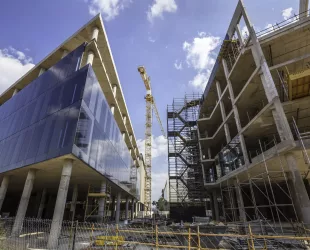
87, 236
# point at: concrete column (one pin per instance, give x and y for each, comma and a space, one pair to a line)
90, 57
242, 214
302, 202
239, 34
74, 200
103, 189
124, 135
4, 187
113, 208
42, 70
64, 53
112, 109
236, 114
95, 33
216, 206
42, 204
223, 112
15, 92
132, 208
114, 89
269, 85
60, 204
303, 8
127, 208
118, 207
23, 204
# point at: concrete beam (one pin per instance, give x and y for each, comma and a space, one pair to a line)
60, 204
23, 204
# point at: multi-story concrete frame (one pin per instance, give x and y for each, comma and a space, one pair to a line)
247, 135
65, 128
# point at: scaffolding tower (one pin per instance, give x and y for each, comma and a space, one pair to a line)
186, 189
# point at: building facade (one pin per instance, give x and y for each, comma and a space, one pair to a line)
67, 146
253, 122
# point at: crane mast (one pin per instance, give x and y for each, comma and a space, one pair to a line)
150, 106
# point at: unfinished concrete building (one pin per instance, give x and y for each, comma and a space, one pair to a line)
67, 145
254, 122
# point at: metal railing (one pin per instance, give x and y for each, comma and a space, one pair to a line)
83, 235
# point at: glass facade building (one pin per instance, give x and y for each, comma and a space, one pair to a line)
64, 111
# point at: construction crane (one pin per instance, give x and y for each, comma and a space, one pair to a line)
150, 107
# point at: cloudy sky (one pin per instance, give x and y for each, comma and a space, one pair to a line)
176, 40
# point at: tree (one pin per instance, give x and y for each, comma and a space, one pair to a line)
161, 204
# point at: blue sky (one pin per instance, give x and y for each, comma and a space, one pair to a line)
176, 40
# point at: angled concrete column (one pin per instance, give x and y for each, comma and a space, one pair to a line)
118, 208
103, 189
132, 208
223, 112
74, 200
60, 204
124, 135
236, 114
299, 192
42, 204
239, 34
3, 189
127, 208
90, 57
95, 34
268, 84
23, 204
216, 206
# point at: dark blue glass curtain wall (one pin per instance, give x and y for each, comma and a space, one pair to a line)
64, 111
98, 140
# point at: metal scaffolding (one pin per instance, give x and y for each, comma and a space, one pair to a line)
185, 172
264, 196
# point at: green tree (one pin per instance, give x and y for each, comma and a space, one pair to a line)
161, 204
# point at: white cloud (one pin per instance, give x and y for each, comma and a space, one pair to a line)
159, 146
152, 40
159, 7
201, 57
158, 183
108, 8
177, 65
13, 64
287, 13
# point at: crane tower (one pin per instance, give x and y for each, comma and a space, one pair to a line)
150, 107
